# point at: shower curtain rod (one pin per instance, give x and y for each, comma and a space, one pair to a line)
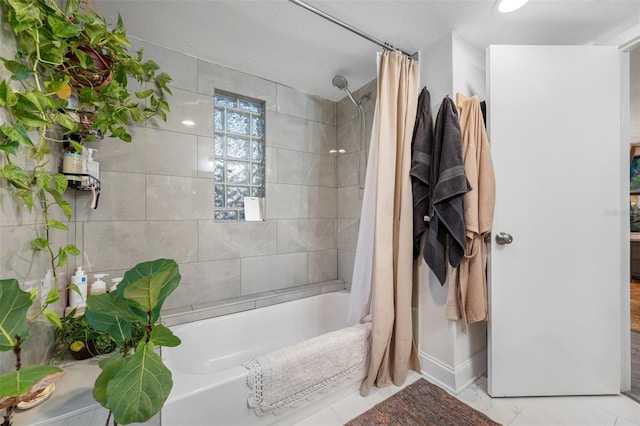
336, 21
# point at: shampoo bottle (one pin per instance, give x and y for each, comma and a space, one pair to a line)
45, 286
98, 286
93, 167
80, 280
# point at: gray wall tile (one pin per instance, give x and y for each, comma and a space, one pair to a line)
287, 201
204, 282
121, 245
179, 198
303, 105
322, 138
297, 235
16, 252
268, 273
348, 169
212, 76
271, 164
348, 234
120, 198
152, 151
191, 106
345, 265
205, 157
322, 266
323, 202
305, 169
287, 131
349, 202
182, 68
348, 135
236, 239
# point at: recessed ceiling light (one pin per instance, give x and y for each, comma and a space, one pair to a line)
341, 151
506, 6
332, 151
188, 123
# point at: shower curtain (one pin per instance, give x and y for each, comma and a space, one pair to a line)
382, 279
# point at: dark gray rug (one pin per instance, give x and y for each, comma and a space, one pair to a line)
422, 404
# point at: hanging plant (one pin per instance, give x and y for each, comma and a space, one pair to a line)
72, 80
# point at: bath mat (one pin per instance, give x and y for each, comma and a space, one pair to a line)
284, 378
422, 404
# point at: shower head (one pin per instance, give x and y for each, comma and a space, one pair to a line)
340, 82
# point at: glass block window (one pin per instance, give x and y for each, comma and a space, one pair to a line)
239, 148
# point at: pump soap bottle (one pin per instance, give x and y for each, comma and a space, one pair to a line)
45, 286
98, 286
80, 280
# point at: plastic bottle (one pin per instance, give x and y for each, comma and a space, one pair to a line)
114, 284
45, 286
33, 286
80, 280
93, 167
98, 286
72, 162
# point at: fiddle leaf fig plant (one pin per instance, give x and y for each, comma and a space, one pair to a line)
135, 383
73, 79
23, 383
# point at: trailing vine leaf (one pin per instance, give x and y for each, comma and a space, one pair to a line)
139, 389
148, 284
23, 384
107, 312
162, 336
14, 304
40, 243
7, 96
53, 318
16, 133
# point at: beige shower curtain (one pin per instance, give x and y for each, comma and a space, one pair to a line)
392, 348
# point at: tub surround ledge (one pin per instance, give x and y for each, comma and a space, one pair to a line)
192, 313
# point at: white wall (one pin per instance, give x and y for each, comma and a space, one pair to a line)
448, 356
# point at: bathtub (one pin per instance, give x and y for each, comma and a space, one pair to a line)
209, 383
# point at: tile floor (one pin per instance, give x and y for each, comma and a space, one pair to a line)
617, 410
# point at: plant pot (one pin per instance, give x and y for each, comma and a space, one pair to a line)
88, 351
95, 77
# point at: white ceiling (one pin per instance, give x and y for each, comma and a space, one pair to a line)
280, 41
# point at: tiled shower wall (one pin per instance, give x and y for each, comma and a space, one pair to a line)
157, 198
349, 191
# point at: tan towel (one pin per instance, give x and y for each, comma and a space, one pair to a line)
467, 299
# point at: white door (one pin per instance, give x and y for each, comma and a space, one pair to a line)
554, 291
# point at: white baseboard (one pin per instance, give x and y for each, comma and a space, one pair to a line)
453, 380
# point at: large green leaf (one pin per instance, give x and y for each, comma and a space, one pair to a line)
139, 389
14, 304
148, 284
18, 382
107, 312
110, 366
162, 336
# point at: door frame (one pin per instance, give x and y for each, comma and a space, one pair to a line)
625, 312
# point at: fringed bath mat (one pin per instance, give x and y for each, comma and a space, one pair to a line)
422, 404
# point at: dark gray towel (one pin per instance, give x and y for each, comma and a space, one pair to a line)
447, 233
421, 147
